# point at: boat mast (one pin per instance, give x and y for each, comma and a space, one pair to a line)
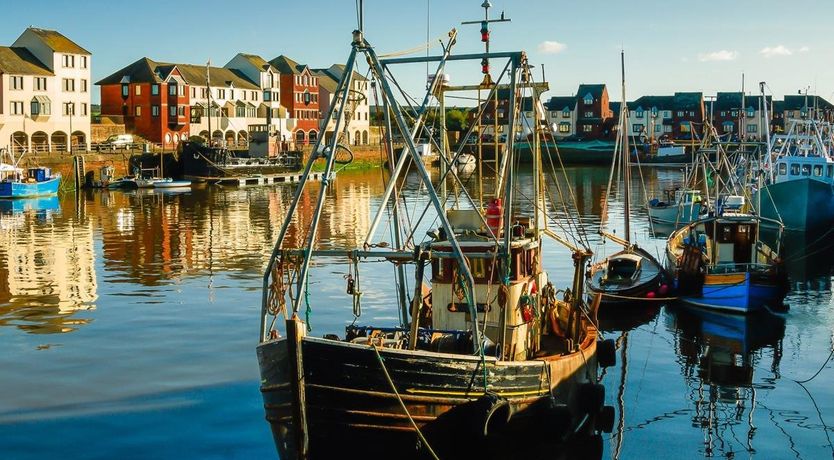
624, 153
208, 101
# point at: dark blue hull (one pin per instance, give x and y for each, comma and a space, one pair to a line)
802, 204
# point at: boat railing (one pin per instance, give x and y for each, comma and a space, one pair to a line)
734, 267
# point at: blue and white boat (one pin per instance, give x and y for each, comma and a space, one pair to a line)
34, 182
721, 263
799, 186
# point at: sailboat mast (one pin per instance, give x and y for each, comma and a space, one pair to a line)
624, 154
208, 101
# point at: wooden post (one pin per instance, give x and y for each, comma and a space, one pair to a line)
416, 303
296, 331
78, 171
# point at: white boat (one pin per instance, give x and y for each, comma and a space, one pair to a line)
465, 163
170, 183
679, 207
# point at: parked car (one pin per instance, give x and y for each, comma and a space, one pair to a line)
117, 142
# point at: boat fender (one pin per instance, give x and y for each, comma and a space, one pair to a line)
591, 397
605, 419
496, 413
606, 353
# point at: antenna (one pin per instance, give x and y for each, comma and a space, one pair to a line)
485, 38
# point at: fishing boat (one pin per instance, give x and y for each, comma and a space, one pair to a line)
679, 207
486, 352
631, 275
799, 182
720, 262
30, 183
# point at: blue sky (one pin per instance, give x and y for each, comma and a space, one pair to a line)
670, 46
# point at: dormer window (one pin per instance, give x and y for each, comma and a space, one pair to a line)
588, 99
654, 111
750, 112
639, 112
566, 112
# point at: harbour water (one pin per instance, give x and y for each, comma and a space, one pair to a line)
128, 324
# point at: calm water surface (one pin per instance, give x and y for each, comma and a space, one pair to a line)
128, 324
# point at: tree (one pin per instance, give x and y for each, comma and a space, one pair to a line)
456, 120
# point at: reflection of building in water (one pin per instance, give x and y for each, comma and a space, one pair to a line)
719, 353
47, 272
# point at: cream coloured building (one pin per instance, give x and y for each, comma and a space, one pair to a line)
357, 112
44, 93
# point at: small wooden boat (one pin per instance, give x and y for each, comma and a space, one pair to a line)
631, 275
720, 262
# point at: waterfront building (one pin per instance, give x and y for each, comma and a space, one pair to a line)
594, 118
357, 112
44, 93
799, 106
674, 117
299, 90
269, 110
561, 115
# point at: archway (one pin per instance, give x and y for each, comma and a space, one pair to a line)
205, 135
356, 138
299, 137
243, 138
313, 136
230, 138
79, 140
20, 142
59, 141
40, 142
364, 138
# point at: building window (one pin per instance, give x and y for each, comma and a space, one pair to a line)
231, 94
83, 62
40, 107
125, 91
137, 111
723, 113
69, 108
752, 128
691, 113
729, 127
181, 110
244, 95
588, 99
221, 94
154, 110
17, 107
17, 82
172, 111
69, 85
637, 128
564, 127
40, 83
658, 128
685, 127
240, 111
154, 90
750, 112
83, 108
589, 114
587, 128
667, 128
69, 60
654, 111
680, 113
172, 89
638, 113
266, 96
193, 92
734, 113
137, 90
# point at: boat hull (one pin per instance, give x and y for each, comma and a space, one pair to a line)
738, 293
646, 287
803, 204
30, 190
201, 162
674, 214
349, 400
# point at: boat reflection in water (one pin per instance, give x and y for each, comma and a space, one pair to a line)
807, 257
719, 353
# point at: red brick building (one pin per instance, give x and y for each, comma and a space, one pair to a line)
153, 99
300, 95
594, 118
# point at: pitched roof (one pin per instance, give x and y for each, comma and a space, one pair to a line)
728, 101
798, 102
146, 70
16, 60
596, 90
561, 102
650, 102
336, 71
286, 65
689, 101
257, 61
325, 80
57, 41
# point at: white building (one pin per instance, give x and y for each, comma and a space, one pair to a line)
358, 110
270, 111
44, 93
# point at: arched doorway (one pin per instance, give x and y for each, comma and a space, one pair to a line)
299, 137
243, 138
356, 138
313, 136
40, 142
20, 142
205, 135
79, 140
230, 138
59, 141
364, 138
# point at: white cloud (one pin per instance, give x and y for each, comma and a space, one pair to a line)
779, 50
552, 47
723, 55
804, 49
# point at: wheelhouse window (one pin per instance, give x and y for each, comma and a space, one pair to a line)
794, 170
829, 171
783, 169
817, 170
806, 170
